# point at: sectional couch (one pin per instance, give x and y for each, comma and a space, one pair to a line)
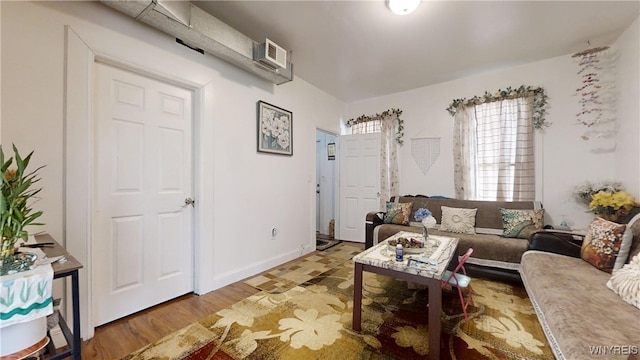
582, 317
493, 256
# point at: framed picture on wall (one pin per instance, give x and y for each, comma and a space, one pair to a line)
331, 151
275, 129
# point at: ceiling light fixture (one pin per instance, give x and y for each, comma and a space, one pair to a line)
402, 7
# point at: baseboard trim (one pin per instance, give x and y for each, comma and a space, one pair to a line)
231, 277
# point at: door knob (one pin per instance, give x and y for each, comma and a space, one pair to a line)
189, 201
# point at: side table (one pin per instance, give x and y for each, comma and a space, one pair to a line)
61, 270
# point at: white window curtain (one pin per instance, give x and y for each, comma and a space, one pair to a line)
389, 179
494, 151
464, 154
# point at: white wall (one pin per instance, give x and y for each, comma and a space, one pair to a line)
251, 192
0, 74
627, 159
563, 159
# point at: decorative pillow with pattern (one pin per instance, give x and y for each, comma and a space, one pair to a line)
458, 220
626, 282
627, 241
397, 213
521, 224
601, 245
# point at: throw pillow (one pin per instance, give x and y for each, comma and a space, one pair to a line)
601, 245
458, 220
627, 240
397, 213
521, 224
626, 282
635, 242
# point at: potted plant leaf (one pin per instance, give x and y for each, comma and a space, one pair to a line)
18, 191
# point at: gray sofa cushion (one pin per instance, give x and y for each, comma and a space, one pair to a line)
575, 308
490, 250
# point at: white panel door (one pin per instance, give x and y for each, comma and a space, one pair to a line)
143, 234
359, 183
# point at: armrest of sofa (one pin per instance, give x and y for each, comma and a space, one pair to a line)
375, 217
372, 220
556, 242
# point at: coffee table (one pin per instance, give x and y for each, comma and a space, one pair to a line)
380, 259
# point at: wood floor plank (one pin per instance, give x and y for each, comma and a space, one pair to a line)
123, 336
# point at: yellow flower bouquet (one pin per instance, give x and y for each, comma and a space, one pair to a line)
611, 203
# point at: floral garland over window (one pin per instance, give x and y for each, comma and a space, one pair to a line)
539, 101
382, 115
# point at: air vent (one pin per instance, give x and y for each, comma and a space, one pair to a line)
269, 53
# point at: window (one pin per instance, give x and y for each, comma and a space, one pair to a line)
494, 151
367, 127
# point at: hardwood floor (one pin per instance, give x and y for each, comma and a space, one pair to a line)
123, 336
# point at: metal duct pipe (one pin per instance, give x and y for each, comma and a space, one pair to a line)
199, 29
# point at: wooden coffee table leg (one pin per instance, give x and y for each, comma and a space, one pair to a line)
435, 307
357, 297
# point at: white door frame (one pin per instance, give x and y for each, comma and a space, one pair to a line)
79, 162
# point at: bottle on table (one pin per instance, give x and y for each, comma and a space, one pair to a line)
399, 253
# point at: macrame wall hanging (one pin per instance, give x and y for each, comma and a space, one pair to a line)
596, 92
425, 151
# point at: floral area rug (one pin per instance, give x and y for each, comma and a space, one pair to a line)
312, 320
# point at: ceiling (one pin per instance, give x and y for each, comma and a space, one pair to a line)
356, 50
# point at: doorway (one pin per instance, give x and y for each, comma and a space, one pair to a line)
80, 178
325, 189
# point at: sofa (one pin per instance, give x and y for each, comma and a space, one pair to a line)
582, 317
494, 256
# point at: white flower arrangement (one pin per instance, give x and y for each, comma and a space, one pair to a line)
429, 222
584, 192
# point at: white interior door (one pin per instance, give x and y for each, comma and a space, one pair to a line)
143, 242
359, 183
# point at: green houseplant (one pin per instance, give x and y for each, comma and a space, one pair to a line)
16, 213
